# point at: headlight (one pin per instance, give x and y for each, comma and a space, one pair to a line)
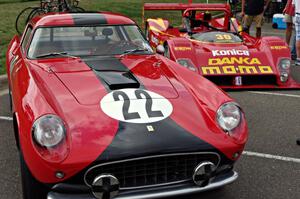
285, 64
229, 116
187, 64
48, 131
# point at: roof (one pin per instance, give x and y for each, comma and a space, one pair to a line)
80, 19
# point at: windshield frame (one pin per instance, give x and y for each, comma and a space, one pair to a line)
84, 25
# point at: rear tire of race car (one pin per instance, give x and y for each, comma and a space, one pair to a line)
32, 189
167, 51
147, 32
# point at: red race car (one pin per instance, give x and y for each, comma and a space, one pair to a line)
97, 114
209, 43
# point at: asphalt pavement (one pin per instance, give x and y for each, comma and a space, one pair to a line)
270, 168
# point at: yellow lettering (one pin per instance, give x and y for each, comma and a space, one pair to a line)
213, 62
229, 70
211, 70
265, 69
247, 70
239, 60
226, 60
254, 61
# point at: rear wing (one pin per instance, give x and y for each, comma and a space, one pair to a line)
184, 6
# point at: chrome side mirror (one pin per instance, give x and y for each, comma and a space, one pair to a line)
160, 49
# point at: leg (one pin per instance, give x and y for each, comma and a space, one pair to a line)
294, 47
297, 25
258, 32
289, 29
288, 32
247, 23
258, 22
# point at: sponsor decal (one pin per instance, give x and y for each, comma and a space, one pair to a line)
278, 47
136, 106
235, 65
182, 48
230, 52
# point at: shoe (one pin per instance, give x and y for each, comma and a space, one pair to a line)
298, 141
297, 62
294, 57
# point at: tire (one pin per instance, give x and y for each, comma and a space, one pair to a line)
167, 51
32, 189
147, 32
10, 99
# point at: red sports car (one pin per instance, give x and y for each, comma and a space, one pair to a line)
97, 114
209, 43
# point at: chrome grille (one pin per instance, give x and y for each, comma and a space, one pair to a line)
152, 171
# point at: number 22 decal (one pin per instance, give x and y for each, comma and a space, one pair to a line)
136, 106
126, 105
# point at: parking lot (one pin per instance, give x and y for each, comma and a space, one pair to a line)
269, 167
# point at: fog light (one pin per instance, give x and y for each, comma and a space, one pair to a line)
236, 155
59, 175
284, 76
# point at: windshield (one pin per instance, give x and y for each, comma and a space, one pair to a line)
87, 41
217, 37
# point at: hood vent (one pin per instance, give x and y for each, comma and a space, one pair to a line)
118, 79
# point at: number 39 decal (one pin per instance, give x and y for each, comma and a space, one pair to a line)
136, 106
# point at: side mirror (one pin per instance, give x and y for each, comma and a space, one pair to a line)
160, 49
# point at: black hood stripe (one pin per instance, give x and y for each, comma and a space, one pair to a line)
113, 73
81, 19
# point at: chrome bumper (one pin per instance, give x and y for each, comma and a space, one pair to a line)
159, 192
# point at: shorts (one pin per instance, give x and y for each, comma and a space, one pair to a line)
288, 18
297, 27
258, 19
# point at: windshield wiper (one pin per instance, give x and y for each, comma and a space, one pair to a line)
53, 54
131, 51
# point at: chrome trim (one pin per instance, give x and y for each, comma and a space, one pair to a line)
184, 191
149, 157
216, 183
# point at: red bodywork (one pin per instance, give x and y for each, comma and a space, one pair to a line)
67, 87
251, 63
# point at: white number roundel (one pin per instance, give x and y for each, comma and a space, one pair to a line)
136, 106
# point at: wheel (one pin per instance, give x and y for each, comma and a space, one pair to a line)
22, 19
167, 51
10, 99
147, 32
77, 9
32, 189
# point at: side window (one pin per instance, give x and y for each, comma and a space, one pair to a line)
26, 38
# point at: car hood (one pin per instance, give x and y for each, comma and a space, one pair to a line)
227, 59
89, 78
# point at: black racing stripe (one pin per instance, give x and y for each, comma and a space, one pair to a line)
89, 19
134, 140
113, 73
106, 64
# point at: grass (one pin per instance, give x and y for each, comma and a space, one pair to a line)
9, 9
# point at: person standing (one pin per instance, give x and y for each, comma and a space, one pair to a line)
253, 10
289, 12
296, 3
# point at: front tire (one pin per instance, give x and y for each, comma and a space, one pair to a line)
32, 189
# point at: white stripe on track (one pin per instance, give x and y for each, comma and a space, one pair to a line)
269, 156
4, 92
275, 94
6, 118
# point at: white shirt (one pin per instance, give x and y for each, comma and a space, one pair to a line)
297, 5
